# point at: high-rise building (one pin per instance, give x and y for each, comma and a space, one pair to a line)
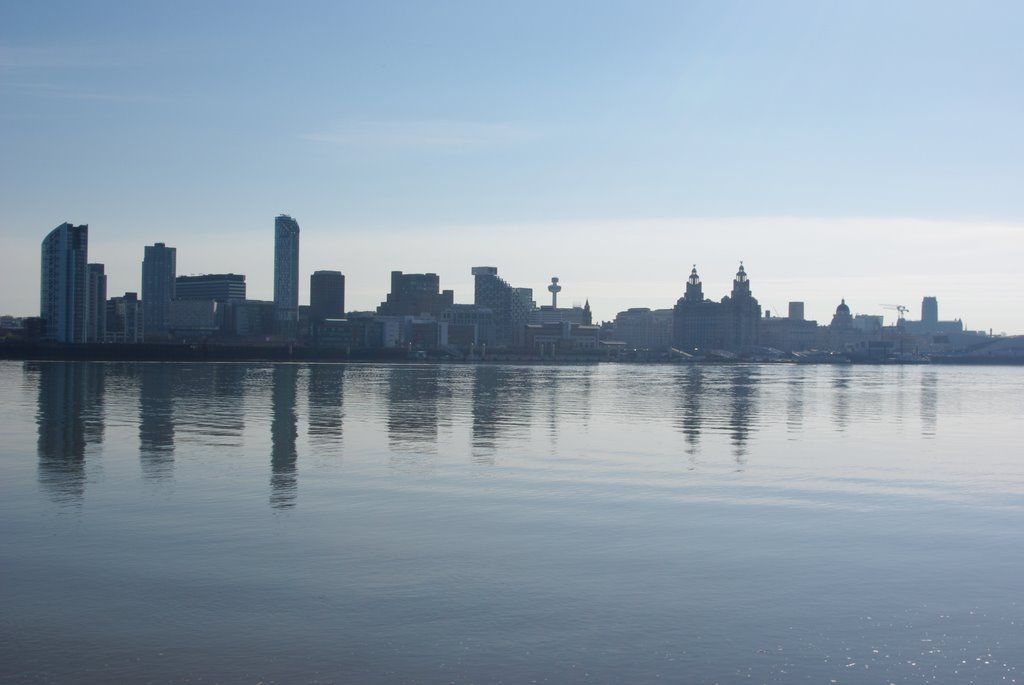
96, 304
64, 283
286, 273
327, 295
511, 306
158, 271
216, 287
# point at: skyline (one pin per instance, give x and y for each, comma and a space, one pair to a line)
877, 147
770, 289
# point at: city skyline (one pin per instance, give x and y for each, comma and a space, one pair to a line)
818, 308
868, 152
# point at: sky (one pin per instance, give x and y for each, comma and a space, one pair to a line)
872, 151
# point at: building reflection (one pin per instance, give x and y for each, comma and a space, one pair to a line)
69, 417
412, 397
929, 402
841, 397
501, 402
796, 390
690, 390
326, 403
284, 433
225, 421
209, 397
743, 387
156, 420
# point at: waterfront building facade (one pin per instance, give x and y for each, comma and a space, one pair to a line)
64, 284
644, 329
469, 325
730, 325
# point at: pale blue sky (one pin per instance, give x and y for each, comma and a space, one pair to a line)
867, 150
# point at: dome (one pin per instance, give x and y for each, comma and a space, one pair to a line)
843, 308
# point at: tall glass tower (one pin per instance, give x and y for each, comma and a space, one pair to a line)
286, 273
64, 285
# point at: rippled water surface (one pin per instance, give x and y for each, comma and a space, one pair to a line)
244, 523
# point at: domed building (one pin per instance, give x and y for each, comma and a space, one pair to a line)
842, 320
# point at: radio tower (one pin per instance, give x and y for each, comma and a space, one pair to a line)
554, 289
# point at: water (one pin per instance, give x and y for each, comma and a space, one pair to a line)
244, 523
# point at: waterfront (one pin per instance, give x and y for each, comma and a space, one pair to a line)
501, 523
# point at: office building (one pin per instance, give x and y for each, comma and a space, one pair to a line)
64, 284
643, 329
125, 319
469, 325
511, 306
216, 287
415, 295
158, 271
96, 304
326, 295
286, 274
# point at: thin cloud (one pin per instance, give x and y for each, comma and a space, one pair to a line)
424, 136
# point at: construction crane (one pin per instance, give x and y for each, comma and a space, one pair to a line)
899, 308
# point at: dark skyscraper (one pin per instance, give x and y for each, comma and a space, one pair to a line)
65, 283
327, 295
96, 298
286, 273
159, 265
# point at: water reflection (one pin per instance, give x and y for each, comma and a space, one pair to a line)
284, 432
929, 402
796, 390
501, 401
326, 404
181, 408
156, 420
412, 401
743, 388
841, 398
689, 392
210, 414
69, 417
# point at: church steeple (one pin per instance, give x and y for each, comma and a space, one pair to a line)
587, 316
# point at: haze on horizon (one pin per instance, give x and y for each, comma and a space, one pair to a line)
869, 150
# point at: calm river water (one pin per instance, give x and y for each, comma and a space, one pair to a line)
292, 523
